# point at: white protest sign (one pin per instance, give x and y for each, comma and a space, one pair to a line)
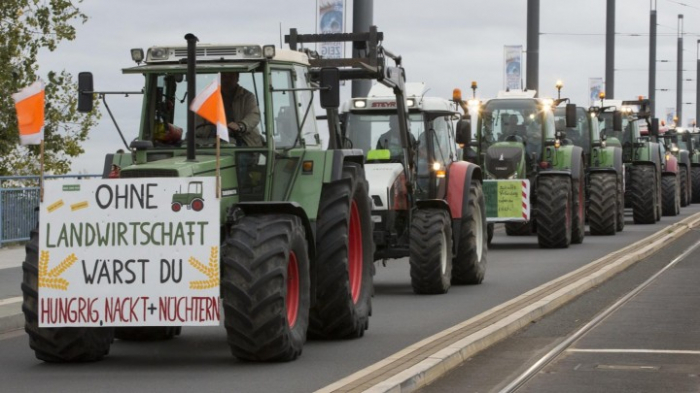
129, 252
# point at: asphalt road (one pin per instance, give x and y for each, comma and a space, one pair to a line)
199, 360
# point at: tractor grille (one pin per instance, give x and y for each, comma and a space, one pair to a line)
503, 161
208, 52
148, 173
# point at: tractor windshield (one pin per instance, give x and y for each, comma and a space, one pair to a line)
514, 120
379, 131
580, 135
630, 129
292, 111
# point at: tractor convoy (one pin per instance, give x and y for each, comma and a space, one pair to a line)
292, 219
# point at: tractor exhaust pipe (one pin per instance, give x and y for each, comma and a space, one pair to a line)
191, 91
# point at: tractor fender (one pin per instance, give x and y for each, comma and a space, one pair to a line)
671, 165
576, 162
235, 212
684, 158
278, 208
341, 156
617, 160
459, 177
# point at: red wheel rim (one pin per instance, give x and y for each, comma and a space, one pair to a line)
355, 257
197, 205
292, 289
176, 207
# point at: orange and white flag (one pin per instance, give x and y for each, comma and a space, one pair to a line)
29, 103
209, 105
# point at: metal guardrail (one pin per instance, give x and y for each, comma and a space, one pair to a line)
19, 205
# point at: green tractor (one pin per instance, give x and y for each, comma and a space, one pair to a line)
642, 157
533, 182
604, 171
679, 143
296, 238
692, 138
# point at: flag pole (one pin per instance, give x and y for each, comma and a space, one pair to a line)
218, 167
41, 173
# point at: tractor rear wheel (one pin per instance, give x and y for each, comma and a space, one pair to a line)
469, 265
430, 254
643, 193
554, 211
61, 344
671, 195
265, 287
345, 258
151, 333
695, 180
685, 192
578, 217
603, 208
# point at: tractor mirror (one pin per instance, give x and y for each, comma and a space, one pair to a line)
617, 121
330, 87
85, 92
464, 131
654, 127
571, 116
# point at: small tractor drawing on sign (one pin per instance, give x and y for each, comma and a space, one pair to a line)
192, 198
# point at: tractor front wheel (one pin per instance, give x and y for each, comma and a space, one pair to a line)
430, 254
554, 211
60, 344
603, 208
643, 192
469, 265
671, 195
685, 189
265, 287
345, 258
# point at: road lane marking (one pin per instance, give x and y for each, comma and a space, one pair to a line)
651, 351
10, 300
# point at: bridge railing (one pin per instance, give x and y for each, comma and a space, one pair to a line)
19, 205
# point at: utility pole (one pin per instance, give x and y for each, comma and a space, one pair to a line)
362, 19
697, 89
533, 45
652, 59
610, 50
679, 73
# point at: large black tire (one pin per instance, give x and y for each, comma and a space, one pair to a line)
519, 228
671, 195
57, 345
345, 258
685, 190
659, 208
430, 254
490, 229
695, 179
620, 222
578, 217
554, 211
469, 265
154, 333
602, 210
265, 287
643, 193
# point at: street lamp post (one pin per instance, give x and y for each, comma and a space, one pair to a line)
679, 74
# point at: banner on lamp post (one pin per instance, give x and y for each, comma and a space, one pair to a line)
331, 20
512, 59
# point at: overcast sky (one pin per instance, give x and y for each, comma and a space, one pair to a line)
444, 43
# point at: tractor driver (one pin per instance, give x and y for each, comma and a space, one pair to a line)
242, 112
391, 140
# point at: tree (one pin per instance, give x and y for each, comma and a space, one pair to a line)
26, 27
